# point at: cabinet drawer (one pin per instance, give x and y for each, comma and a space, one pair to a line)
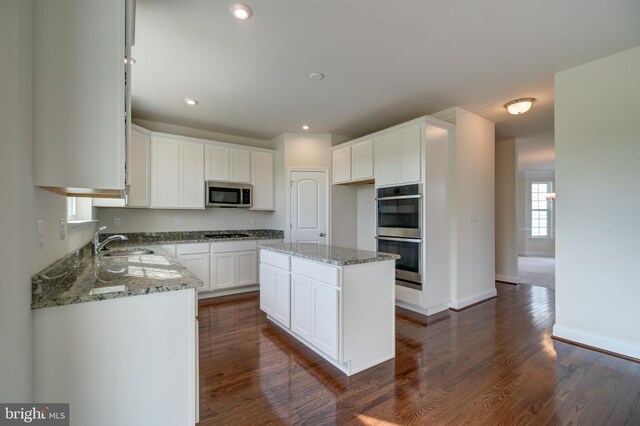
228, 246
197, 248
317, 271
275, 259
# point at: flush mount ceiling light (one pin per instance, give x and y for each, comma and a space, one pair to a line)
519, 106
241, 12
305, 127
316, 76
190, 101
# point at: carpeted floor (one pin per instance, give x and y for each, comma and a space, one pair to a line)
539, 271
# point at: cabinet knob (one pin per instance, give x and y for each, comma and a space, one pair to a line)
322, 234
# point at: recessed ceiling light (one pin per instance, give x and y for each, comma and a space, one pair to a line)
519, 106
305, 127
190, 101
316, 76
240, 11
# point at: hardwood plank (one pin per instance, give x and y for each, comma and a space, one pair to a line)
493, 363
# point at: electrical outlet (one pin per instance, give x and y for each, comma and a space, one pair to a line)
253, 220
473, 217
116, 222
40, 235
62, 229
178, 221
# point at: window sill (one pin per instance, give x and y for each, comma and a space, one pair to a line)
79, 224
540, 238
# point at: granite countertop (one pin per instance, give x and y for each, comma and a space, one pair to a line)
178, 237
339, 256
72, 279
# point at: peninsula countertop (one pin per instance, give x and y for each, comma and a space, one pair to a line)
81, 276
334, 255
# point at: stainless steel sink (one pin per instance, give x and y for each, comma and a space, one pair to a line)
127, 252
108, 289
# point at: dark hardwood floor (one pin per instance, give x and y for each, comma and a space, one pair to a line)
492, 364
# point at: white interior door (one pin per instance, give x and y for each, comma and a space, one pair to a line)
308, 207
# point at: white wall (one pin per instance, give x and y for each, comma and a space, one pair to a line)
472, 168
22, 205
598, 203
506, 250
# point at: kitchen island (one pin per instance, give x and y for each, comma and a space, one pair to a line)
337, 301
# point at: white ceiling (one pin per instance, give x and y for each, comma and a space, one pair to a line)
384, 61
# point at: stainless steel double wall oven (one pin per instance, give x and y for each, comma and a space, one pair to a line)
399, 230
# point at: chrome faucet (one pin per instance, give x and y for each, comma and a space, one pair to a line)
97, 245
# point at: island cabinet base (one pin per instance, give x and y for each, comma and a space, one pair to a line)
125, 361
346, 313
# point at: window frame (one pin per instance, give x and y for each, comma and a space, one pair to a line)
548, 209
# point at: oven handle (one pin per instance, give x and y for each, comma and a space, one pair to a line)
399, 197
404, 240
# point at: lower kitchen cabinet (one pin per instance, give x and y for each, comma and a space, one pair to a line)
324, 305
301, 314
223, 270
246, 267
275, 298
198, 264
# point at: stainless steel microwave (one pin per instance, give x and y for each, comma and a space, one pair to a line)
224, 194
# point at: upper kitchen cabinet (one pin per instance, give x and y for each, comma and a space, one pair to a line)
398, 156
139, 168
262, 180
80, 96
224, 163
352, 162
177, 173
341, 165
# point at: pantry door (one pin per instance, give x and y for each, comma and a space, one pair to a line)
308, 201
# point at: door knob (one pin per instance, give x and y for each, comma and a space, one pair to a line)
322, 234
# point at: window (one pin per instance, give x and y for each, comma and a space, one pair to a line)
79, 210
540, 210
72, 209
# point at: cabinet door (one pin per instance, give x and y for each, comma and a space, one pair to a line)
267, 289
217, 163
301, 306
246, 267
240, 165
325, 318
165, 167
262, 180
409, 142
222, 270
198, 264
192, 175
341, 165
386, 160
362, 160
140, 189
283, 297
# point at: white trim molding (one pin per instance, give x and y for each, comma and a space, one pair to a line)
424, 311
621, 347
538, 254
461, 304
508, 279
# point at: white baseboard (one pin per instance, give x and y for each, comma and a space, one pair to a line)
210, 294
538, 254
463, 303
508, 279
601, 342
424, 311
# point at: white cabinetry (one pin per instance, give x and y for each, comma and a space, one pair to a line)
324, 306
262, 180
195, 257
275, 293
341, 165
233, 264
140, 164
224, 163
362, 160
177, 178
398, 156
80, 130
301, 302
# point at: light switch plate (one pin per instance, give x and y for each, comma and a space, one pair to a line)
473, 217
116, 222
62, 229
40, 235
